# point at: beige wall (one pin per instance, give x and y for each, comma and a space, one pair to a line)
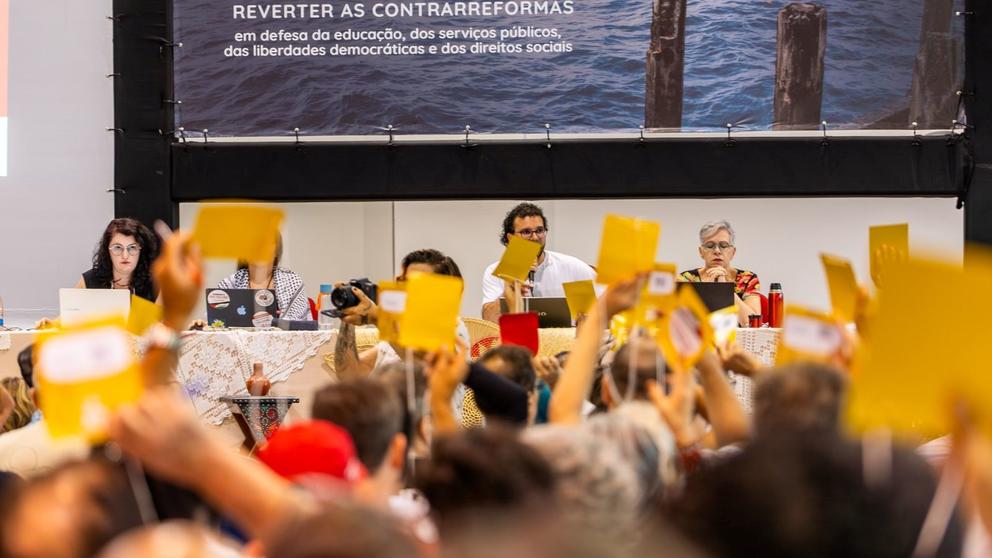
779, 239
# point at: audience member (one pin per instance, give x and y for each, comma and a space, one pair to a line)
123, 260
23, 409
802, 398
527, 221
288, 286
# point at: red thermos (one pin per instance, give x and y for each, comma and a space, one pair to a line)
775, 305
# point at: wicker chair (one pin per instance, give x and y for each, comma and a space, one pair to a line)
483, 335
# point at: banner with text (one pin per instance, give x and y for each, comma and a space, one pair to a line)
351, 67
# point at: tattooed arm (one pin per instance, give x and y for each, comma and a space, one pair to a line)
347, 362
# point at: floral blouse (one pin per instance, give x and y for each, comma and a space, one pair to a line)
747, 283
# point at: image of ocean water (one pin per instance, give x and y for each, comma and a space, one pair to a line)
599, 86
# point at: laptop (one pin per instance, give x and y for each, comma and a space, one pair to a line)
716, 296
241, 307
551, 311
77, 306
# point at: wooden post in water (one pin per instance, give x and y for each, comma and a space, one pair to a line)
665, 65
802, 43
936, 72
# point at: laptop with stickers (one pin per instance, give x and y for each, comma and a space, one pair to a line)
241, 307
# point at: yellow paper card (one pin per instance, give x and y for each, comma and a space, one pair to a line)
239, 232
580, 295
685, 332
392, 304
431, 315
926, 352
627, 247
517, 259
807, 336
843, 287
84, 374
143, 314
659, 290
886, 243
724, 324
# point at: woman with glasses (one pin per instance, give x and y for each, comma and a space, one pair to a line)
124, 259
716, 247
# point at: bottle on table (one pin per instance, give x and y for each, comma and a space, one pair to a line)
754, 320
1, 311
776, 305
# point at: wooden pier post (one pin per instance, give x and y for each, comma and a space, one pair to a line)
936, 72
802, 44
665, 65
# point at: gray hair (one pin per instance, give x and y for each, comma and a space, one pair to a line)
713, 227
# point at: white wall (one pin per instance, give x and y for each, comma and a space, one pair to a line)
779, 239
53, 205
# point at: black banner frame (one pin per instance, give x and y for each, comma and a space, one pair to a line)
154, 171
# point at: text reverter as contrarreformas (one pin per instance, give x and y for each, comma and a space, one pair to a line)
411, 9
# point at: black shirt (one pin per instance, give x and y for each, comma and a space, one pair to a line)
149, 293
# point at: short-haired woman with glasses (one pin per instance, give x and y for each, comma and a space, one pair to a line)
123, 260
716, 247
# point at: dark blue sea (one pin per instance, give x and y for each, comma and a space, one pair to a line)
599, 86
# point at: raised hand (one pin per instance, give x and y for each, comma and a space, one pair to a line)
178, 272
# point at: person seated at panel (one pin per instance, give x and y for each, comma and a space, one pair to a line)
717, 249
527, 221
290, 296
123, 260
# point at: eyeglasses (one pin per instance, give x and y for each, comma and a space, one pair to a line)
723, 246
132, 249
539, 231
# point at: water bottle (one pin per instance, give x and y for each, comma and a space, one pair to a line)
776, 305
324, 303
1, 312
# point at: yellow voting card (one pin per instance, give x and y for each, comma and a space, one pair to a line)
84, 374
685, 332
808, 336
658, 296
724, 324
431, 314
143, 314
843, 287
517, 260
886, 244
392, 303
627, 247
926, 351
580, 296
238, 232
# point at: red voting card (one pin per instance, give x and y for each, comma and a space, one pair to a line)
519, 329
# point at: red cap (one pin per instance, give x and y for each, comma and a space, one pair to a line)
313, 447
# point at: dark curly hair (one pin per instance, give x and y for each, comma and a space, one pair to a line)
522, 210
103, 268
443, 265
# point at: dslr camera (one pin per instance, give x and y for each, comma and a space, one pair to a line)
342, 297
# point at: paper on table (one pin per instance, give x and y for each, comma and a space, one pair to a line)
431, 314
142, 315
843, 286
517, 260
84, 374
886, 243
627, 247
239, 232
580, 296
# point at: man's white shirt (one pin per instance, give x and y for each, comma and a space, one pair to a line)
556, 269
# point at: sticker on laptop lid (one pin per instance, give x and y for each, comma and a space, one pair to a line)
264, 298
218, 298
261, 319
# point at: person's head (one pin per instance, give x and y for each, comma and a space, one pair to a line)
70, 512
167, 539
24, 407
342, 529
276, 258
127, 249
484, 472
394, 375
527, 221
802, 397
514, 363
372, 413
428, 260
716, 244
313, 452
808, 495
25, 362
647, 365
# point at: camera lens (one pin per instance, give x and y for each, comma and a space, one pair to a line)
342, 297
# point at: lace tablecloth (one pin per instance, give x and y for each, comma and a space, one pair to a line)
216, 364
762, 343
